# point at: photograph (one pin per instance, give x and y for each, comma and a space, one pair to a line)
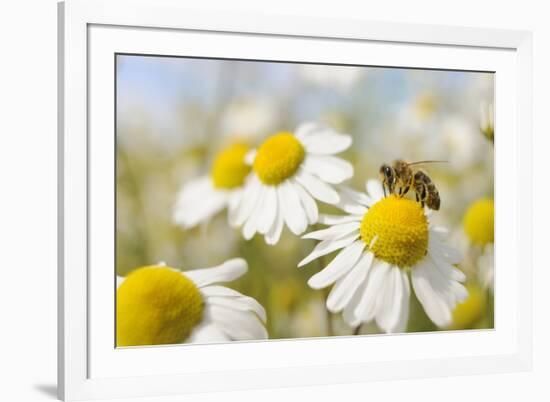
262, 200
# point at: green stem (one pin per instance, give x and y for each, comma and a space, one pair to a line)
326, 292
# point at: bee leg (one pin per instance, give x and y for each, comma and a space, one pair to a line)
406, 190
416, 196
384, 188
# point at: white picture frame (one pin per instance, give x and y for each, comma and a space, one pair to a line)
92, 31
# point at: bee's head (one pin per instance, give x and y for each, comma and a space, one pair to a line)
387, 173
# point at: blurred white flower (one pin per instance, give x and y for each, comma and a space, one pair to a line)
341, 78
381, 240
200, 199
486, 266
487, 120
248, 118
479, 230
459, 140
289, 172
161, 305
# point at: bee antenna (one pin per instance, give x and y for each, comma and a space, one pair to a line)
425, 162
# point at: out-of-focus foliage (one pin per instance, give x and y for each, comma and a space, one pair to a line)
174, 114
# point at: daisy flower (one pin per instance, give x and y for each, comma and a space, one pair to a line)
383, 241
289, 172
161, 305
339, 78
199, 200
470, 312
479, 227
487, 121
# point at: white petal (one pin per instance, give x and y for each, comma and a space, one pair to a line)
306, 129
212, 205
226, 272
250, 198
352, 201
273, 235
338, 219
432, 292
405, 303
349, 311
452, 277
366, 308
442, 251
486, 263
390, 301
197, 202
294, 215
207, 332
333, 232
250, 156
195, 189
308, 203
339, 266
445, 268
344, 289
238, 325
375, 189
317, 188
269, 210
219, 291
243, 303
119, 280
233, 206
251, 225
326, 142
328, 168
356, 197
328, 246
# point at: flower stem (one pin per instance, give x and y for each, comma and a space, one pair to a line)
326, 292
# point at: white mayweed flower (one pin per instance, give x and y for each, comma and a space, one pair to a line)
248, 118
383, 239
487, 121
486, 267
479, 229
341, 78
161, 305
200, 199
289, 172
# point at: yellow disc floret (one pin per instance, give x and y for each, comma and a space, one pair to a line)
479, 222
399, 229
229, 168
156, 305
470, 311
278, 158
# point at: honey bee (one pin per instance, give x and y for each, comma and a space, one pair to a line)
401, 177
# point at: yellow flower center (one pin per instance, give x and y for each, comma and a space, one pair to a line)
479, 222
399, 229
470, 311
426, 104
156, 305
278, 158
229, 169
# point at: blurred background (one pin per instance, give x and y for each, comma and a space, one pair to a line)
175, 114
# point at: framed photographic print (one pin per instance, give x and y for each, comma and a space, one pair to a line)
258, 201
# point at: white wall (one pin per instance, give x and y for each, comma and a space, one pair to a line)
28, 198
